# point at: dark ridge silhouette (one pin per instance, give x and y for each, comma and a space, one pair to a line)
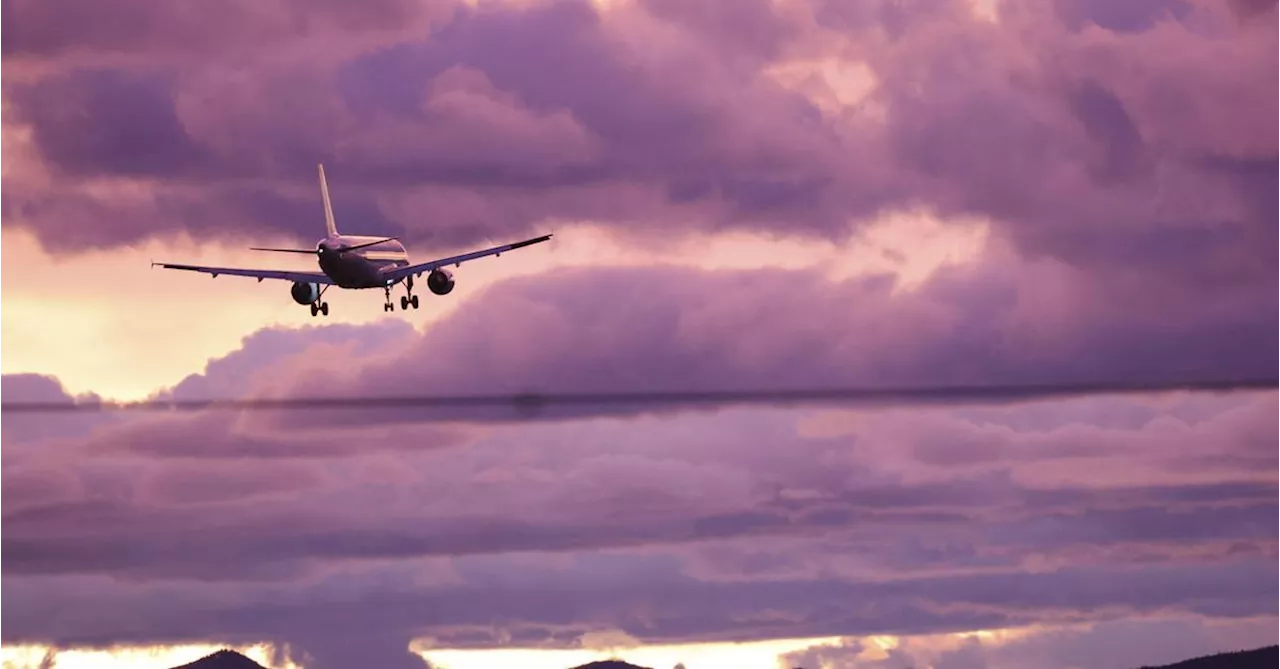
229, 659
223, 659
1259, 658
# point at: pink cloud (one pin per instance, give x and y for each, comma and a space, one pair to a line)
690, 522
1026, 121
61, 28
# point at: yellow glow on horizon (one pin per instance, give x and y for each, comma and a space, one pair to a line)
765, 654
743, 655
154, 657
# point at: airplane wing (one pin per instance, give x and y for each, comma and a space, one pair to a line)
402, 272
259, 274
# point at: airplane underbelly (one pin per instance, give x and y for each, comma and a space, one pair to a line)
351, 272
357, 272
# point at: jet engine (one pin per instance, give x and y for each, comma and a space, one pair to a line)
440, 281
305, 293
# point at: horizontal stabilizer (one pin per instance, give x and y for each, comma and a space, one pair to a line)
368, 244
308, 251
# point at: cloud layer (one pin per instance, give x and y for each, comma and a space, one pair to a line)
487, 121
737, 524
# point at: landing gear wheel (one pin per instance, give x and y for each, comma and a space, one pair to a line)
414, 301
324, 308
404, 303
314, 309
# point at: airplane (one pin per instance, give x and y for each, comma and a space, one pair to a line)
358, 262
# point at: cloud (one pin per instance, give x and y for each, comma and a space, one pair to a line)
264, 351
1024, 120
688, 330
1129, 17
739, 525
75, 28
31, 428
1115, 644
1180, 497
639, 137
650, 116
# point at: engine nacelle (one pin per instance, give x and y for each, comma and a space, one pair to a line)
440, 281
305, 293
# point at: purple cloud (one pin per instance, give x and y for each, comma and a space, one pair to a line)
1026, 121
1119, 644
260, 353
1134, 16
685, 330
693, 523
61, 28
28, 429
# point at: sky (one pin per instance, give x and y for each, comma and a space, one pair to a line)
744, 194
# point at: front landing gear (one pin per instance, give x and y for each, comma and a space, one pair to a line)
388, 306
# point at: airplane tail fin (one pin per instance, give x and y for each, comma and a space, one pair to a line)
331, 229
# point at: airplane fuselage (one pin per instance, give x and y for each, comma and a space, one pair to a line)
363, 267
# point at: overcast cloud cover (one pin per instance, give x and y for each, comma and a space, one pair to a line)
1123, 155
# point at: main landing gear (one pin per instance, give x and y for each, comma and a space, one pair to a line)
319, 306
407, 300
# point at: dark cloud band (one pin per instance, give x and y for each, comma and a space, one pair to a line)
533, 403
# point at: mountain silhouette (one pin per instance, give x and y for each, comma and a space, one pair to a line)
229, 659
1243, 659
223, 659
1259, 658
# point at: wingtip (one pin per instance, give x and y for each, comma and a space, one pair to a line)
530, 242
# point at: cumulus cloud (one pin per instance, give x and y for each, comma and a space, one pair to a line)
745, 524
265, 351
650, 113
69, 28
31, 428
669, 529
1116, 644
688, 330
